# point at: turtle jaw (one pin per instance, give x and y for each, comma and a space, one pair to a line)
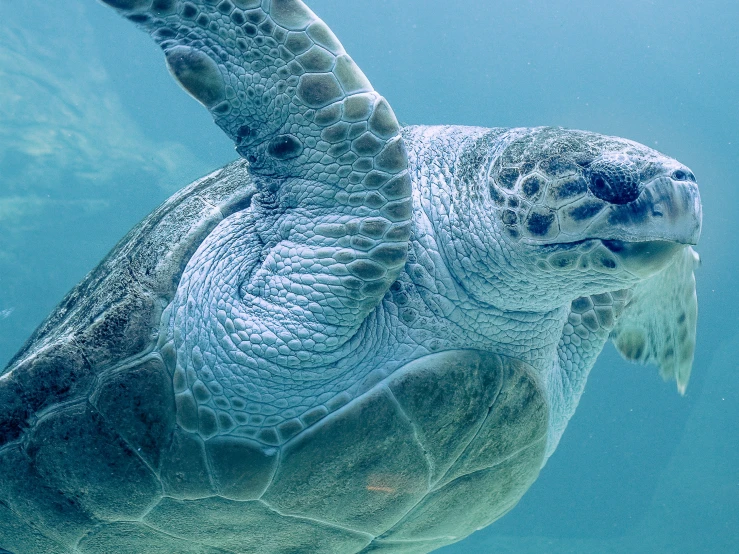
646, 258
666, 210
644, 235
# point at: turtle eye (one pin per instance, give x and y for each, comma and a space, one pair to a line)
681, 175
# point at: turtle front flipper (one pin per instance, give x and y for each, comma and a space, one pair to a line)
659, 324
336, 190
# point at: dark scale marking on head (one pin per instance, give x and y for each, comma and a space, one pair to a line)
540, 222
510, 217
513, 202
586, 210
508, 177
572, 187
532, 185
558, 166
527, 167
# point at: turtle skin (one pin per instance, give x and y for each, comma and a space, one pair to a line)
94, 461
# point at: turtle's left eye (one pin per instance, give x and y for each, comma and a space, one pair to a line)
681, 175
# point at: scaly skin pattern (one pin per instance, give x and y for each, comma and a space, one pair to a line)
446, 405
360, 338
474, 279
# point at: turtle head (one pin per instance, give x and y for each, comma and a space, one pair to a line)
582, 213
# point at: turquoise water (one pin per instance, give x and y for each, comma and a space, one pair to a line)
94, 134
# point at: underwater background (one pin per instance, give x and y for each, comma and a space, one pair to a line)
94, 134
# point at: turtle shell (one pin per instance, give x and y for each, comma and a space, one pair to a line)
93, 460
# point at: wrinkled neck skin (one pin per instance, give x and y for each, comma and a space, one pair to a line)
460, 289
457, 252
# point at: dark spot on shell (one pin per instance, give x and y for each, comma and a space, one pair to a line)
540, 222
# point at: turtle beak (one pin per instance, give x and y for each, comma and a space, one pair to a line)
665, 210
647, 233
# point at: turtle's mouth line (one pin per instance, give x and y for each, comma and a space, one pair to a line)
616, 245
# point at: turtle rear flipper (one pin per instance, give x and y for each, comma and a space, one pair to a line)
659, 323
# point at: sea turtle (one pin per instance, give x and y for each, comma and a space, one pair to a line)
358, 338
